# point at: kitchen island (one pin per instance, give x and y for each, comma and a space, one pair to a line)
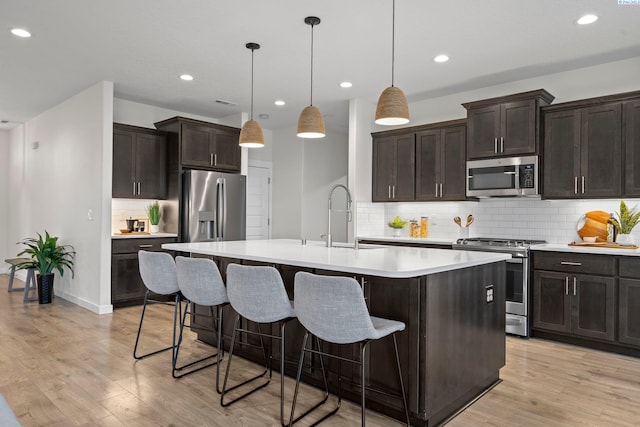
452, 302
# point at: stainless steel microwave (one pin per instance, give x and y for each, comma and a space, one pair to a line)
501, 177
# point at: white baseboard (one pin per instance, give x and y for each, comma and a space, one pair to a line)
98, 309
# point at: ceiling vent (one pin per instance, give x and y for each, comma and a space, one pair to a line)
224, 102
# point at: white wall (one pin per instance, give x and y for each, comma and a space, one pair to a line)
143, 115
65, 181
551, 220
7, 249
303, 173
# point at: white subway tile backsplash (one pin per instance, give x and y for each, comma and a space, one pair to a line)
551, 220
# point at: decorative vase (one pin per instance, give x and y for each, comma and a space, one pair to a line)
45, 288
625, 239
154, 228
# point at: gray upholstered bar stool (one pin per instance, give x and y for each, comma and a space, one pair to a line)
334, 310
200, 283
158, 272
257, 293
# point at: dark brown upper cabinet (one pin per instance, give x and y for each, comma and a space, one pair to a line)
583, 149
393, 177
139, 163
505, 126
440, 162
631, 137
204, 145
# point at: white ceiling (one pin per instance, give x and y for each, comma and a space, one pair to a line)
144, 45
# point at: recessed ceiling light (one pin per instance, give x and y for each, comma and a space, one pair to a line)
186, 77
441, 58
20, 32
346, 84
587, 19
279, 102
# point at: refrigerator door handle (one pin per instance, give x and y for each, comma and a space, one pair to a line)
221, 209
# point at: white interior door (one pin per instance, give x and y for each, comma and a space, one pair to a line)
258, 202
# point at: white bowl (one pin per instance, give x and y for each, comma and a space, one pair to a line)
589, 239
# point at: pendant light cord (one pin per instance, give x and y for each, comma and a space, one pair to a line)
311, 102
393, 40
252, 51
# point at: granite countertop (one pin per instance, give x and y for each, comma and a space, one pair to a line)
383, 261
555, 247
142, 235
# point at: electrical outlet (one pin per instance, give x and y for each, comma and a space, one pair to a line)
489, 293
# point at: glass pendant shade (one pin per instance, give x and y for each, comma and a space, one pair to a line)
392, 108
251, 135
311, 123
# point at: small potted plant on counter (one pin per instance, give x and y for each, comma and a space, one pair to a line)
46, 256
153, 210
397, 224
624, 221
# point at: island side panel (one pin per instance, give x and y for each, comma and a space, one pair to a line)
464, 344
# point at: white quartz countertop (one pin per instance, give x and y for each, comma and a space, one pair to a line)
383, 261
550, 247
142, 235
413, 240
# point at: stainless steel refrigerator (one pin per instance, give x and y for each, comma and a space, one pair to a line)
214, 206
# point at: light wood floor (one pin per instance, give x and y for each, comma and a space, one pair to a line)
62, 365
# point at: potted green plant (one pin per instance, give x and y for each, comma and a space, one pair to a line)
624, 221
397, 224
153, 211
46, 257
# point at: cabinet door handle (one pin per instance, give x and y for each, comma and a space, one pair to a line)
393, 191
495, 144
138, 188
440, 190
436, 190
502, 144
566, 285
145, 246
582, 184
575, 185
576, 264
215, 159
574, 286
134, 188
211, 159
389, 191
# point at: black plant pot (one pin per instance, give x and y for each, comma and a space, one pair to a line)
45, 288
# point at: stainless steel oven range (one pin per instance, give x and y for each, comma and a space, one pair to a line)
517, 285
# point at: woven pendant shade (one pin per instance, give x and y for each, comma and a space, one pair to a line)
251, 135
392, 108
311, 123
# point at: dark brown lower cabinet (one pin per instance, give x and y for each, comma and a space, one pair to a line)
452, 348
126, 284
629, 317
578, 304
595, 302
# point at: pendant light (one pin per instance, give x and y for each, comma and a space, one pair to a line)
251, 133
393, 108
311, 122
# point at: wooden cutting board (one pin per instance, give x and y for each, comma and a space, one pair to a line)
594, 224
603, 245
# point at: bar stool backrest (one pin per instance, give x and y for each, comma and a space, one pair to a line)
257, 293
158, 272
200, 281
332, 308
